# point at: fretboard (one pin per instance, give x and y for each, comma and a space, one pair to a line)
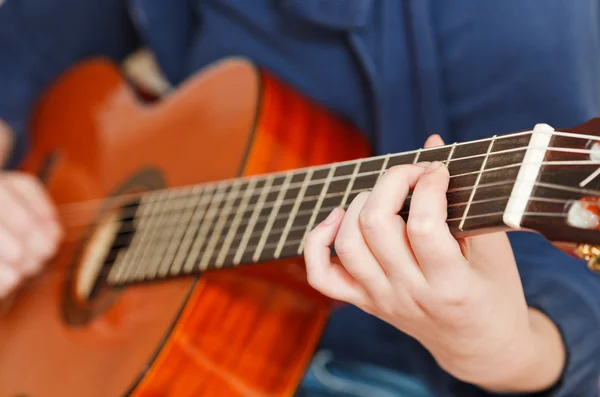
189, 230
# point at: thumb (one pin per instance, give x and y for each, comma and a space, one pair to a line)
6, 142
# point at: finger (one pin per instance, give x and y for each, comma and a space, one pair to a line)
39, 241
385, 230
14, 214
433, 141
9, 279
356, 256
326, 277
34, 196
13, 253
11, 248
485, 249
436, 250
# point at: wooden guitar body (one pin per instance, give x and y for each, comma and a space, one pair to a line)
248, 331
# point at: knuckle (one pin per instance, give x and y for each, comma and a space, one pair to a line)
369, 219
395, 173
453, 298
420, 226
314, 279
397, 170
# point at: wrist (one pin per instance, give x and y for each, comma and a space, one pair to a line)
539, 364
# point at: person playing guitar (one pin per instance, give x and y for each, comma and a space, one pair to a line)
429, 314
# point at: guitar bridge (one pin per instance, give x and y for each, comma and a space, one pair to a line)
591, 254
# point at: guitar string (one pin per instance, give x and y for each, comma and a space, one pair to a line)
123, 239
126, 213
559, 187
294, 243
267, 205
198, 188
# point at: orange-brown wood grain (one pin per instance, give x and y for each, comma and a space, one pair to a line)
239, 332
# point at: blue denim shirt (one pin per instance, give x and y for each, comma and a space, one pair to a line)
399, 70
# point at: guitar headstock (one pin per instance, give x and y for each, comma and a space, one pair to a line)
564, 204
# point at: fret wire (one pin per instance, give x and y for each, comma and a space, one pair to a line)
333, 195
384, 166
350, 162
234, 225
294, 242
350, 183
117, 268
138, 219
179, 232
590, 178
416, 160
139, 247
357, 168
141, 262
250, 227
160, 248
149, 252
204, 200
449, 158
146, 208
499, 213
292, 215
216, 233
272, 216
340, 178
317, 209
207, 222
372, 173
483, 163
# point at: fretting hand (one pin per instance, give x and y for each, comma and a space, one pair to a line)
462, 300
29, 231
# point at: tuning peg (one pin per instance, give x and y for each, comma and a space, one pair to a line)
590, 253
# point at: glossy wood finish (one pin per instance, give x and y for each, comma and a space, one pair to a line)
243, 332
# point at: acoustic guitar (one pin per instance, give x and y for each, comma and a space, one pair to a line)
181, 271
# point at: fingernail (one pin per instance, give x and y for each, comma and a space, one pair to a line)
332, 217
434, 166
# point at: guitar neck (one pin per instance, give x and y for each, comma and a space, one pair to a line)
267, 217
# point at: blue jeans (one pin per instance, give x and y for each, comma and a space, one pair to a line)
328, 377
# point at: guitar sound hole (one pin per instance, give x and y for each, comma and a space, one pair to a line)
87, 293
114, 233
